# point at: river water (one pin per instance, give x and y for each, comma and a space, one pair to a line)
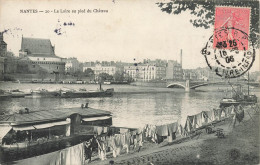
129, 109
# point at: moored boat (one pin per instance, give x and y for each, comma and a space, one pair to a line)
86, 94
4, 95
82, 93
239, 97
16, 93
27, 134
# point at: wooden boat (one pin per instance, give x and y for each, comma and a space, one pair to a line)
28, 134
4, 95
16, 93
44, 93
226, 102
82, 93
86, 94
239, 98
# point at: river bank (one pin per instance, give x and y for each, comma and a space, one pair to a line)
119, 89
239, 146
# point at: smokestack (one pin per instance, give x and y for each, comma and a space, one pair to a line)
181, 58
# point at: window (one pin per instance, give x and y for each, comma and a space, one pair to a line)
57, 67
38, 59
43, 58
33, 66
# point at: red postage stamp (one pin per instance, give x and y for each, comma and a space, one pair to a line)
229, 51
236, 22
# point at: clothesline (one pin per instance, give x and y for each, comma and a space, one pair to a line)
120, 138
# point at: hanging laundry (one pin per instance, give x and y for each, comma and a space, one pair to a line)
127, 142
139, 130
210, 115
222, 113
232, 110
198, 120
113, 146
217, 114
146, 130
117, 140
98, 130
182, 131
101, 149
239, 113
189, 123
162, 130
105, 130
173, 127
204, 117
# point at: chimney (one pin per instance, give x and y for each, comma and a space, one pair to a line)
181, 58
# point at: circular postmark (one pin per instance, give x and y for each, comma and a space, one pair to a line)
229, 53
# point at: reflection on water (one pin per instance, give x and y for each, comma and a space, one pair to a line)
129, 110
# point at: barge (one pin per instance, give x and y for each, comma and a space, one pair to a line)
82, 93
32, 133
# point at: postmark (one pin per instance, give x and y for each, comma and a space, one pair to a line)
229, 63
229, 51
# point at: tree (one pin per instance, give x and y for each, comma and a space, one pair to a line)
119, 76
9, 54
89, 72
204, 11
104, 77
79, 74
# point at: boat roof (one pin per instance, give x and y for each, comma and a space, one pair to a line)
50, 115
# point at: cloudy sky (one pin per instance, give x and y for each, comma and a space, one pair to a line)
130, 30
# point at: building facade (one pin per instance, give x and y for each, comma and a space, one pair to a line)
2, 68
174, 71
146, 71
39, 54
72, 65
3, 45
103, 67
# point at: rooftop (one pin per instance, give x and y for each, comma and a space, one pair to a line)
50, 115
37, 46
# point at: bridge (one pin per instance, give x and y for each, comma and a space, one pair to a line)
188, 85
191, 85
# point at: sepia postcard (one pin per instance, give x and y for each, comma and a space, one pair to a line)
151, 82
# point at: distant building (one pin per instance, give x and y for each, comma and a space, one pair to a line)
174, 71
3, 51
103, 67
2, 68
3, 45
190, 74
40, 55
72, 65
146, 71
132, 71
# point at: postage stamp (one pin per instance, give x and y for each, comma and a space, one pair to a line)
229, 51
231, 18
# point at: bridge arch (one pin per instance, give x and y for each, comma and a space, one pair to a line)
204, 84
200, 85
176, 85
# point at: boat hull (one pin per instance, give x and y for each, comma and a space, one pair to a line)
73, 94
